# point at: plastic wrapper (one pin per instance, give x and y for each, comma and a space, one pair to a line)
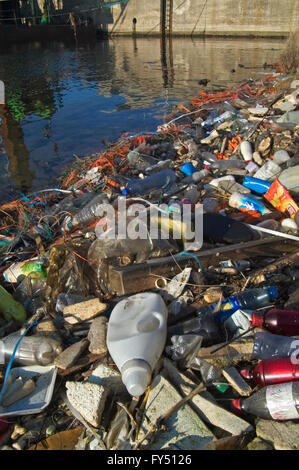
182, 346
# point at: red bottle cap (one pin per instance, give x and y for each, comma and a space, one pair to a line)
236, 405
246, 374
257, 320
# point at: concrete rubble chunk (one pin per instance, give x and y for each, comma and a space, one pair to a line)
259, 444
97, 336
283, 435
83, 311
110, 379
69, 356
184, 426
88, 399
210, 412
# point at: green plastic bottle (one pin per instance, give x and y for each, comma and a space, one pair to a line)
10, 308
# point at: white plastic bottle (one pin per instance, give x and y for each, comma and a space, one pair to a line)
246, 150
136, 337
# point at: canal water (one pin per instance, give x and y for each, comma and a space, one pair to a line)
63, 100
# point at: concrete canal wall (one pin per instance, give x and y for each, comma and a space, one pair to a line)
209, 17
268, 18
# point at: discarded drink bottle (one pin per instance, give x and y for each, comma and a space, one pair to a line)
269, 346
279, 402
205, 325
281, 322
88, 214
272, 371
251, 299
139, 187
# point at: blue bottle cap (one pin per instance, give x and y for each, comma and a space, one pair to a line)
124, 192
273, 292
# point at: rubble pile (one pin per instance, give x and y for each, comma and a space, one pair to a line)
151, 300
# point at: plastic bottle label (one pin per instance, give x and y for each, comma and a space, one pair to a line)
280, 402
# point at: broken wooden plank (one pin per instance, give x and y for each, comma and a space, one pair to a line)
236, 381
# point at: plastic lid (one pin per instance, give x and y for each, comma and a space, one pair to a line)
136, 376
257, 320
124, 192
273, 292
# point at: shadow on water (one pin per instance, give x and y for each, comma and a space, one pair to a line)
64, 98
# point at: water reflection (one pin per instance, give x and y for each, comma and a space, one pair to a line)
62, 100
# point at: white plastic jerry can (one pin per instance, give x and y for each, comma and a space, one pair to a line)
136, 338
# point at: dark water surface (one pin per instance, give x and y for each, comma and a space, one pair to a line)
62, 100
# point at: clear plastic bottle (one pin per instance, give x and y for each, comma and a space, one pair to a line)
160, 180
269, 171
136, 337
88, 214
205, 325
269, 346
278, 402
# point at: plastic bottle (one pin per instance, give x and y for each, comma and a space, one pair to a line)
161, 165
281, 322
32, 350
205, 325
269, 171
250, 299
247, 202
229, 163
196, 177
256, 184
210, 119
246, 150
136, 338
271, 372
88, 214
215, 182
269, 346
278, 402
139, 187
10, 308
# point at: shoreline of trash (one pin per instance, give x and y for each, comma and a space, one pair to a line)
112, 342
